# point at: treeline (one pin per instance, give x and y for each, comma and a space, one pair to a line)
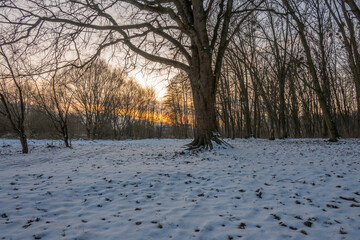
288, 72
290, 69
97, 102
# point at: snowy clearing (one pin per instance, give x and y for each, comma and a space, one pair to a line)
150, 189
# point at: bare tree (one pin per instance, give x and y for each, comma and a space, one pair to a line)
134, 111
178, 105
354, 8
188, 35
350, 41
54, 97
267, 64
128, 103
12, 94
94, 91
314, 74
290, 69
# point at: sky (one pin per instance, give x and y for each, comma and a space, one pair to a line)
141, 71
154, 80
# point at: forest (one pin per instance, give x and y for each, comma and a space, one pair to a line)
179, 119
275, 69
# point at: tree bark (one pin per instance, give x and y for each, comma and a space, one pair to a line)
272, 129
204, 97
24, 144
65, 136
245, 101
294, 108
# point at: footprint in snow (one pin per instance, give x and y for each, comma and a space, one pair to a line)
241, 226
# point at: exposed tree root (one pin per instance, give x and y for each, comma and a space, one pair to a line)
207, 142
333, 139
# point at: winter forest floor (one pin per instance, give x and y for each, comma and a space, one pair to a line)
151, 189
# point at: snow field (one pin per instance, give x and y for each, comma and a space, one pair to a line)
153, 189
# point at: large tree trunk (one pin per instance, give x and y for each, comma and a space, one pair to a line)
204, 72
206, 129
204, 97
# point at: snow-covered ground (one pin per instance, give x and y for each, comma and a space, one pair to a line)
151, 189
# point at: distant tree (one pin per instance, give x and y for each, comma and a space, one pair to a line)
178, 102
322, 98
124, 116
95, 89
136, 110
54, 96
146, 111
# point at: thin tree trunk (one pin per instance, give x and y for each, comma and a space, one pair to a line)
294, 108
355, 61
282, 120
24, 145
65, 136
354, 8
322, 100
256, 102
351, 46
245, 98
